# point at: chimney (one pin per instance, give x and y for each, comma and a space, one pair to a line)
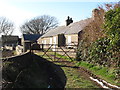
95, 14
69, 21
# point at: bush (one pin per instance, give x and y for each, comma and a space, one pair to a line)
112, 26
100, 53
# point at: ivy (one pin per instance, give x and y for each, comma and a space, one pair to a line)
112, 26
100, 53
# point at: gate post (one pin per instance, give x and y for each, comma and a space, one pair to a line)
42, 46
55, 53
30, 48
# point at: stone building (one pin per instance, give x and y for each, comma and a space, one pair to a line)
28, 39
65, 35
10, 41
72, 33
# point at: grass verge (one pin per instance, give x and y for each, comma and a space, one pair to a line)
75, 80
105, 73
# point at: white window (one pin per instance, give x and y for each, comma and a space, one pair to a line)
50, 40
54, 39
54, 42
44, 41
69, 39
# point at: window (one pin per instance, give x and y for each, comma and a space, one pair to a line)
69, 39
54, 40
50, 40
44, 41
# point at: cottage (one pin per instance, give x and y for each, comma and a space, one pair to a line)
65, 35
29, 39
9, 41
69, 34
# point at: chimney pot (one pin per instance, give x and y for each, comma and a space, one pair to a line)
95, 13
69, 21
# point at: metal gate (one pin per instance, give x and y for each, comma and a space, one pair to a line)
51, 51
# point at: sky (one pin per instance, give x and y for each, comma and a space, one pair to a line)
18, 11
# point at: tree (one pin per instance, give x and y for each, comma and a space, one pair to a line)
39, 25
6, 26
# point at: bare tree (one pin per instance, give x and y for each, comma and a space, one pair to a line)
39, 25
6, 26
109, 6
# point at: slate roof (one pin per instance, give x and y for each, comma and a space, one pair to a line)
76, 27
73, 28
31, 37
9, 39
58, 30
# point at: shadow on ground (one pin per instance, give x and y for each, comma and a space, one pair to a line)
32, 71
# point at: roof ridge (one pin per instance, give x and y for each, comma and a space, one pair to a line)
70, 29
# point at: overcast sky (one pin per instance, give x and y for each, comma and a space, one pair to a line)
18, 11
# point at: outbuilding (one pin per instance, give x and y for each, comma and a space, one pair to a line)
29, 39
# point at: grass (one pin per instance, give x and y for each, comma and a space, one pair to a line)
57, 55
74, 78
14, 52
64, 57
103, 72
42, 53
